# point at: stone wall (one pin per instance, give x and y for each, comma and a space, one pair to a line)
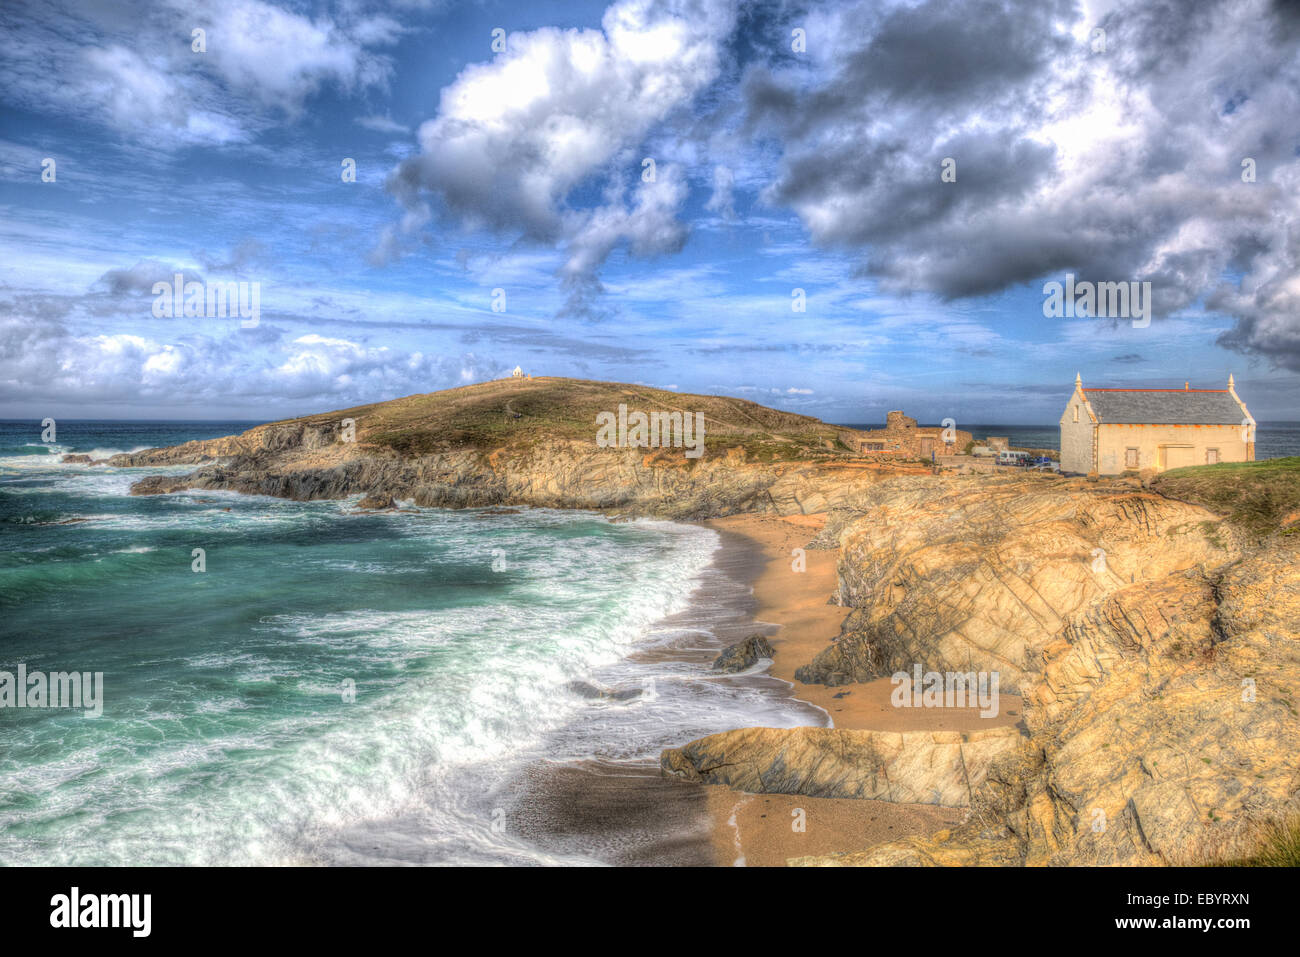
903, 438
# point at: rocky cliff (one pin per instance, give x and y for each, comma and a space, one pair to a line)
1154, 644
909, 767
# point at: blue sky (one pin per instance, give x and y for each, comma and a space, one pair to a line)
522, 170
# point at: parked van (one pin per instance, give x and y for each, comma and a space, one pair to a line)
1013, 458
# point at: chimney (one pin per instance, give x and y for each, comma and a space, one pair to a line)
1187, 386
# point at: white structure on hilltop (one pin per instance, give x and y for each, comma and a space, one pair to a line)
518, 373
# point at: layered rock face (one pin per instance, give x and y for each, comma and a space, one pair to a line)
910, 767
982, 574
1160, 687
308, 462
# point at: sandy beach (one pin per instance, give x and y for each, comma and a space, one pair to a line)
627, 813
793, 609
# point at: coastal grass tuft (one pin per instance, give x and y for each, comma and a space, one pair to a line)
1261, 497
1276, 844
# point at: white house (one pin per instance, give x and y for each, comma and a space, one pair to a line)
1110, 431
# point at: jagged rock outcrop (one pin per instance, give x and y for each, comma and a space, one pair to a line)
963, 574
911, 767
743, 654
1160, 693
304, 463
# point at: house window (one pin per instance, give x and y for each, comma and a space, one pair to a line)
1211, 456
1130, 458
1076, 413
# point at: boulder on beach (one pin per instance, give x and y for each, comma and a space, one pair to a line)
743, 654
380, 501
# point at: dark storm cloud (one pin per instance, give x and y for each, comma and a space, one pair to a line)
1115, 164
951, 54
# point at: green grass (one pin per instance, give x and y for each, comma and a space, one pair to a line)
1278, 846
522, 413
1256, 496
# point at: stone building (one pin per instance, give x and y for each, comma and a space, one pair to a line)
1110, 431
903, 438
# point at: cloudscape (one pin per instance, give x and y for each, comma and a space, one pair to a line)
647, 188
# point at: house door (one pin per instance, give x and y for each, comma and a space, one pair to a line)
1176, 456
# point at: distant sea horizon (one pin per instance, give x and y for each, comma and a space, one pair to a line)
1274, 439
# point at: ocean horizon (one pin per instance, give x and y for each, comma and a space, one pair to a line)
1273, 439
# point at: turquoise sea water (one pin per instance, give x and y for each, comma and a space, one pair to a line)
227, 733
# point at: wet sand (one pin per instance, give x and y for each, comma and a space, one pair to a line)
766, 830
794, 611
626, 813
799, 621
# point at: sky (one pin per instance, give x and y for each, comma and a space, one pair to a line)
646, 192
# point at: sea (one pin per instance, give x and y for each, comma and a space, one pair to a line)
319, 685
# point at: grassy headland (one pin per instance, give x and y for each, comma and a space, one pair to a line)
1261, 497
516, 413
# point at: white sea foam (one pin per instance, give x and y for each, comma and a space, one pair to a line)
470, 695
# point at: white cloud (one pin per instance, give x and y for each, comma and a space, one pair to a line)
133, 69
1116, 165
46, 364
281, 58
516, 136
722, 201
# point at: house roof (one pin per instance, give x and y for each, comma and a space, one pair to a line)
1164, 406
